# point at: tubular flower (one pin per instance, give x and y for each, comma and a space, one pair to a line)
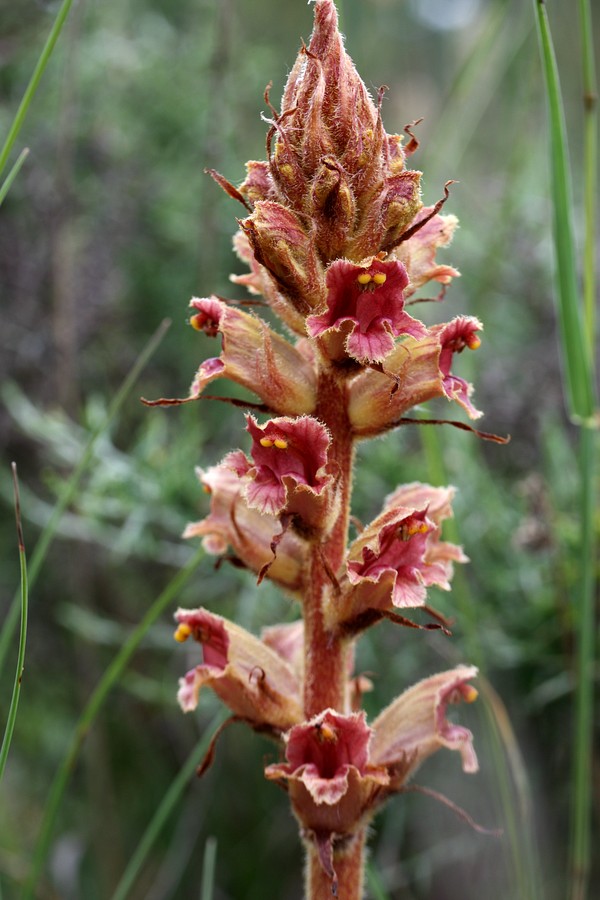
397, 557
287, 473
454, 337
366, 304
415, 371
414, 725
377, 400
331, 783
250, 534
418, 252
250, 678
254, 356
339, 770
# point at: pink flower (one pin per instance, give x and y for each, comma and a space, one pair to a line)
287, 472
454, 337
339, 770
250, 534
414, 372
418, 252
366, 303
414, 725
250, 678
330, 781
397, 557
254, 356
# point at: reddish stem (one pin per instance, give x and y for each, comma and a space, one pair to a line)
349, 870
326, 672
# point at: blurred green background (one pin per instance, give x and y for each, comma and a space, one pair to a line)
112, 226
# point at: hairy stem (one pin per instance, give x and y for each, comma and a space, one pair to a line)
348, 863
326, 667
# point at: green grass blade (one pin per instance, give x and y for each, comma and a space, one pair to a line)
576, 358
92, 708
208, 869
14, 702
578, 367
34, 82
47, 535
6, 186
180, 782
376, 888
590, 169
581, 812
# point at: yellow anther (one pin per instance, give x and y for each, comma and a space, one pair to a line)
266, 442
380, 278
470, 694
326, 734
473, 342
182, 632
196, 322
281, 444
364, 278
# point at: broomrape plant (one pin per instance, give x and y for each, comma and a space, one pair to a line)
336, 240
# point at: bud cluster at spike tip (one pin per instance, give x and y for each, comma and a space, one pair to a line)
337, 241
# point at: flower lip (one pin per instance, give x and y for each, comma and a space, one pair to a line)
461, 332
289, 472
330, 742
367, 300
414, 725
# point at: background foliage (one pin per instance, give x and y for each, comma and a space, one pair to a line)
112, 226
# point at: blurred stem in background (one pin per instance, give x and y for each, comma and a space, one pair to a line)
577, 350
14, 703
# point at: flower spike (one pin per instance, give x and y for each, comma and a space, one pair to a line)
336, 242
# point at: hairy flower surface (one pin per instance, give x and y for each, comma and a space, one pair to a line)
251, 678
287, 471
249, 533
397, 557
339, 769
254, 356
454, 337
418, 252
